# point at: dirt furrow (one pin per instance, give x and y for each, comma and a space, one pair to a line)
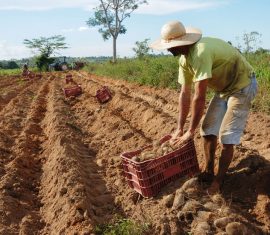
20, 184
11, 92
73, 192
6, 81
138, 92
12, 120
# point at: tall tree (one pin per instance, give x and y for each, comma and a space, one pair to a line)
46, 47
251, 41
109, 15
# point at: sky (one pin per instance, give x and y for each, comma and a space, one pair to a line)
28, 19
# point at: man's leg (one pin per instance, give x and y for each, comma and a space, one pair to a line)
210, 145
232, 128
223, 165
209, 131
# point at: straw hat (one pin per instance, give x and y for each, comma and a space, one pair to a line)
174, 34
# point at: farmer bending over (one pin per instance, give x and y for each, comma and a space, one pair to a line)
210, 62
25, 70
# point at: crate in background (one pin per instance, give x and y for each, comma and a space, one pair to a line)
73, 91
69, 78
103, 94
148, 177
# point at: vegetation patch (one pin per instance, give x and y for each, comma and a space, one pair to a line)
123, 227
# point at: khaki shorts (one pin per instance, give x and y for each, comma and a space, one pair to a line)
227, 118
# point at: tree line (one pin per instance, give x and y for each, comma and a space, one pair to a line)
11, 64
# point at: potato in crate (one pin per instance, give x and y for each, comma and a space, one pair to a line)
147, 175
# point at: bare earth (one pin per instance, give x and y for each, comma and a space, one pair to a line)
60, 168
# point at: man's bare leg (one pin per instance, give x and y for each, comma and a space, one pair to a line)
210, 145
223, 165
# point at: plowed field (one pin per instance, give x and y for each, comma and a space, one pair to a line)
60, 168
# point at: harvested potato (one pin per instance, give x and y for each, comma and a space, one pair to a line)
191, 183
179, 200
192, 206
157, 150
136, 159
218, 199
221, 223
202, 228
236, 228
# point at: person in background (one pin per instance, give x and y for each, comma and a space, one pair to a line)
204, 63
25, 70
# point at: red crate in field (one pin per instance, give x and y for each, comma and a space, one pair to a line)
38, 76
103, 94
69, 78
73, 91
148, 177
31, 75
25, 73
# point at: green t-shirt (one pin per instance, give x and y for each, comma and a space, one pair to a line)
225, 68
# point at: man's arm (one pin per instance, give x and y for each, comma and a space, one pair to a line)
184, 106
197, 108
198, 104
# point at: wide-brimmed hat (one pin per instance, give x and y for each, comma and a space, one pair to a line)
174, 34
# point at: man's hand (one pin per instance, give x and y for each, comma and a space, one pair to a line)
180, 140
175, 136
178, 133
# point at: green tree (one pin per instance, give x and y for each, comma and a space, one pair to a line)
142, 49
43, 61
46, 47
250, 42
261, 50
12, 65
109, 15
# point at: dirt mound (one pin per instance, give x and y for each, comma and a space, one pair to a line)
61, 171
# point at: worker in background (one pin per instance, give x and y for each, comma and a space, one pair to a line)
210, 63
25, 70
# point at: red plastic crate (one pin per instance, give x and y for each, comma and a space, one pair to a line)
73, 91
148, 177
25, 73
38, 76
31, 75
69, 78
103, 95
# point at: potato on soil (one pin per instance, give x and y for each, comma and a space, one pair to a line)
221, 223
202, 228
236, 228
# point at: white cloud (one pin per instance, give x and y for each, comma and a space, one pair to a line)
71, 30
34, 5
155, 7
163, 7
8, 51
83, 28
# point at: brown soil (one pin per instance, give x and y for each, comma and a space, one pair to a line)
60, 166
